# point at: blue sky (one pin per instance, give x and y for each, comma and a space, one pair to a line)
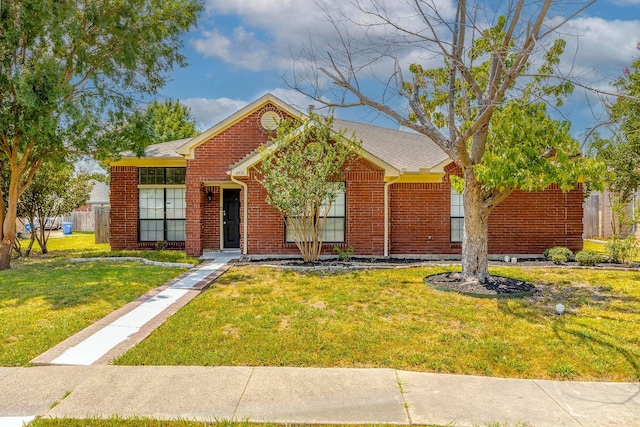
241, 50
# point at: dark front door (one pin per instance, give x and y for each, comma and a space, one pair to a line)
231, 218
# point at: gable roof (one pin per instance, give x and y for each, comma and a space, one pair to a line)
397, 152
188, 148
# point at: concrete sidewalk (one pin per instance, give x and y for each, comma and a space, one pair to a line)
308, 395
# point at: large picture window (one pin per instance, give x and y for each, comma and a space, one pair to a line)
457, 216
162, 208
334, 225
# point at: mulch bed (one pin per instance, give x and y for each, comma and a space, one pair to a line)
495, 286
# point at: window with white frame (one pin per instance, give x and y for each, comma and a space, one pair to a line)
333, 230
162, 206
457, 216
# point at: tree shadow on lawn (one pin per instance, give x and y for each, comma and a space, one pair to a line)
65, 285
592, 317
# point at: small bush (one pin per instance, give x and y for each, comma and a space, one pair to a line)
344, 255
558, 254
622, 250
161, 245
559, 259
588, 258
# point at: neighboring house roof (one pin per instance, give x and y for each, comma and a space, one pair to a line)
99, 194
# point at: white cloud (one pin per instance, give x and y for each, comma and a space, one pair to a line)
210, 111
241, 48
280, 31
595, 43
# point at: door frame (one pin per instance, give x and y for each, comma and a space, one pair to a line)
229, 186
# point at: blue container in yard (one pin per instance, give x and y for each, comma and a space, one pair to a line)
67, 227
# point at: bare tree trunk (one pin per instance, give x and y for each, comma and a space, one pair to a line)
32, 239
475, 239
5, 254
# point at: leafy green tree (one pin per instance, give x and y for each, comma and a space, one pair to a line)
621, 151
67, 69
55, 190
482, 106
170, 121
302, 171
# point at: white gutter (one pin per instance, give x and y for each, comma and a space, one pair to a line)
386, 214
245, 210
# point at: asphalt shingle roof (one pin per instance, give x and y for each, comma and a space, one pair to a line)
164, 149
406, 151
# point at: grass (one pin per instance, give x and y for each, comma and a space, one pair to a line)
44, 299
594, 246
259, 316
82, 245
600, 247
148, 422
137, 422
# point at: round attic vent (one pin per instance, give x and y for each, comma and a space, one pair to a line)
269, 120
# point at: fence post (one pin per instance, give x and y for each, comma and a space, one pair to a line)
102, 224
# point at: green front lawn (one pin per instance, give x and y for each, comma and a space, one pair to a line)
137, 422
260, 316
46, 299
148, 422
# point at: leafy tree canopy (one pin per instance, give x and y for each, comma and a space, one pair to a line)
55, 190
170, 121
68, 70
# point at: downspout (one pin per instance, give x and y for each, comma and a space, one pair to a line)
386, 215
245, 210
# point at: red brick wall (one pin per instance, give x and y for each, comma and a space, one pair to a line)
525, 223
123, 226
365, 209
530, 222
211, 161
364, 215
211, 220
419, 219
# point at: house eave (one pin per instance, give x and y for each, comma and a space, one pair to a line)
149, 162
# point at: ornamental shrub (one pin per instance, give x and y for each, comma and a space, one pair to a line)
558, 254
622, 250
588, 258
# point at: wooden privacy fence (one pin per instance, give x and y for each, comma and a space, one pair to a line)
102, 224
82, 221
591, 216
96, 220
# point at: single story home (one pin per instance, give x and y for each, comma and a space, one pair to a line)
203, 194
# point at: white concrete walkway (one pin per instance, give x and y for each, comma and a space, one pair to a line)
95, 346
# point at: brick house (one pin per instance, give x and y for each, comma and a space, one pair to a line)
202, 194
